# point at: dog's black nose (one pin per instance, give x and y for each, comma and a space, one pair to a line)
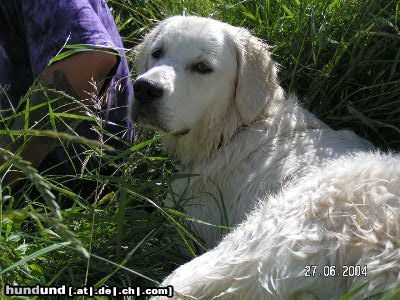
146, 91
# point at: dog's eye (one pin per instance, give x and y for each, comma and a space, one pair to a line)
202, 68
157, 53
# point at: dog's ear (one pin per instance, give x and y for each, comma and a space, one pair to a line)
257, 82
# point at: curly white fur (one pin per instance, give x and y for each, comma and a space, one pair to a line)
304, 193
347, 213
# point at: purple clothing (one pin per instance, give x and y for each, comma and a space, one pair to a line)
32, 32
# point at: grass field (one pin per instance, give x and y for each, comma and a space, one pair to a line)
341, 58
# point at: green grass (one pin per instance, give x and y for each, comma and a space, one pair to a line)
341, 58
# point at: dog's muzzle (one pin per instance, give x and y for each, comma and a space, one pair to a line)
146, 91
147, 94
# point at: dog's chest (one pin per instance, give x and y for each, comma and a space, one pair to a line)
228, 190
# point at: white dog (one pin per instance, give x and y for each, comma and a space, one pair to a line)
319, 209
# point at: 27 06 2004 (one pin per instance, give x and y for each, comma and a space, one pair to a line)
331, 271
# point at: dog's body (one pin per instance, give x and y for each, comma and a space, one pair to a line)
267, 156
314, 196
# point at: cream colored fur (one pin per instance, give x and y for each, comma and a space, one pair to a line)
303, 193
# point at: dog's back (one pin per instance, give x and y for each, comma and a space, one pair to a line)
324, 236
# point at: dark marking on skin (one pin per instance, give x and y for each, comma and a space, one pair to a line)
61, 83
41, 146
47, 90
57, 88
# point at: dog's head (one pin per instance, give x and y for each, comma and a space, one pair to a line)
192, 69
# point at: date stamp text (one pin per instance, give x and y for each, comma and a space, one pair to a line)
334, 271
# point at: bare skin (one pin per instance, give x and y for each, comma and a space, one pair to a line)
74, 76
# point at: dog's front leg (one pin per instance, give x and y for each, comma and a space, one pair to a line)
221, 273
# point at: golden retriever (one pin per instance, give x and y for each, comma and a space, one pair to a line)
318, 209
